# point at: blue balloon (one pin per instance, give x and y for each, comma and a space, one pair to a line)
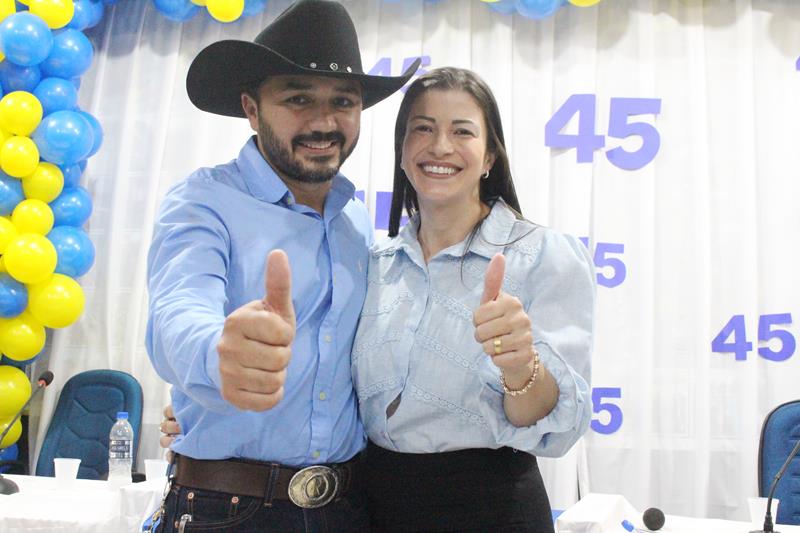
71, 55
25, 39
253, 7
97, 131
16, 78
538, 9
87, 14
72, 207
64, 137
72, 174
506, 7
8, 454
10, 193
13, 296
176, 10
56, 94
74, 248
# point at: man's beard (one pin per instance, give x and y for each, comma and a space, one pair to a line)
281, 158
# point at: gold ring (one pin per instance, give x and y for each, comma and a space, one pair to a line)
498, 346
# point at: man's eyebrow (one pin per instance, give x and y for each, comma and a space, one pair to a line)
349, 89
296, 85
299, 85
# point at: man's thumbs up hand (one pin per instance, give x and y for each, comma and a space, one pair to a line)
255, 347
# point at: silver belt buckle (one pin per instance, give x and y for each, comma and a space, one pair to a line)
313, 486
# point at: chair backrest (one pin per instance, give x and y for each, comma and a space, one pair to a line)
779, 434
86, 410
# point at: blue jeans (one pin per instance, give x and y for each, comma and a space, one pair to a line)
219, 512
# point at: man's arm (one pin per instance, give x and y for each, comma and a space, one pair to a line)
216, 360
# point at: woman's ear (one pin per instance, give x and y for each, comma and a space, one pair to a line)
490, 159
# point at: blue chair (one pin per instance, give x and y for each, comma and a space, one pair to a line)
779, 434
86, 410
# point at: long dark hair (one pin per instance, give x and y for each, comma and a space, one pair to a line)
499, 183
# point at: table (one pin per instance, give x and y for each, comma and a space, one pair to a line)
89, 506
604, 513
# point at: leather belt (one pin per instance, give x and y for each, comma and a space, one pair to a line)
310, 487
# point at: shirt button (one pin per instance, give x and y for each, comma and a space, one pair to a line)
315, 454
322, 396
327, 338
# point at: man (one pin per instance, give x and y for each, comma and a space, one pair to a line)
259, 355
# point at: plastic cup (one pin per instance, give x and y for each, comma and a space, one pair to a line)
66, 471
758, 509
155, 468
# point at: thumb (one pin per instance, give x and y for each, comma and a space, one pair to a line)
278, 281
493, 281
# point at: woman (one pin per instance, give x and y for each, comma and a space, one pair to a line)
461, 383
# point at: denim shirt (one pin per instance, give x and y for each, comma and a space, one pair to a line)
415, 339
207, 259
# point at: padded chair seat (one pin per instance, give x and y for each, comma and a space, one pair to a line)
86, 410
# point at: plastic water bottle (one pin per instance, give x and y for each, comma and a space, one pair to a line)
120, 451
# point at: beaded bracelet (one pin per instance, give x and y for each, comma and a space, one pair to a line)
529, 385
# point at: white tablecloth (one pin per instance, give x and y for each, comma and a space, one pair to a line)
604, 513
88, 506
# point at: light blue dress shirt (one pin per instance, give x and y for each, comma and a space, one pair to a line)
416, 339
207, 258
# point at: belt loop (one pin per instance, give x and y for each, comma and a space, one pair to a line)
345, 476
272, 481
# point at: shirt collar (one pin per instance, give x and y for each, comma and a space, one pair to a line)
494, 235
264, 183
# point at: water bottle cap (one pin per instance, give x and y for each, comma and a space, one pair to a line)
122, 415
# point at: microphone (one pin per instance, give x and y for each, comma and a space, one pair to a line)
653, 519
6, 485
768, 517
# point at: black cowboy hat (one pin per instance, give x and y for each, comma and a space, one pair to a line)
315, 37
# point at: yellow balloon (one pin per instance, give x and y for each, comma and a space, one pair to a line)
4, 135
56, 303
56, 13
19, 156
7, 8
8, 232
33, 216
15, 389
20, 112
225, 10
584, 3
30, 258
45, 184
21, 337
3, 266
13, 435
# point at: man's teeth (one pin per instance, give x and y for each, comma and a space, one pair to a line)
318, 145
439, 170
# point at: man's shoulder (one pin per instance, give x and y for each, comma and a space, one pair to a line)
208, 183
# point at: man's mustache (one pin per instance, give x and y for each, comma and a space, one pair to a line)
318, 136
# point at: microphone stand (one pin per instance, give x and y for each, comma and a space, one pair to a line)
768, 517
6, 485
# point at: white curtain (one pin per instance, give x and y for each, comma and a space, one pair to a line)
706, 229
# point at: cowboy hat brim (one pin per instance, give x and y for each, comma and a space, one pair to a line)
222, 70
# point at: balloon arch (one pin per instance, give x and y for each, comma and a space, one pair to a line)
45, 141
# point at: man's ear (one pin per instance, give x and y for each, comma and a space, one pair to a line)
250, 107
